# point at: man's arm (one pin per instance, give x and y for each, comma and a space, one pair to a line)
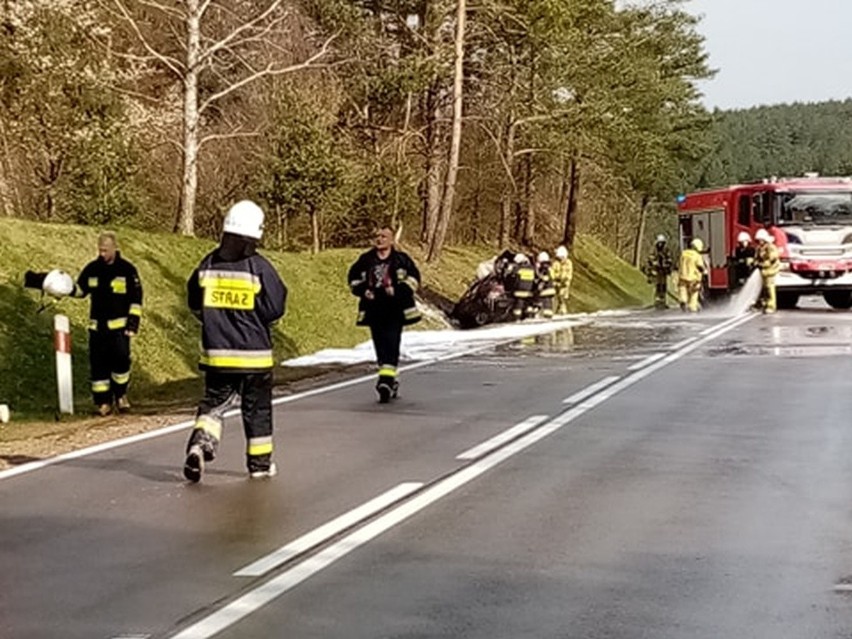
272, 301
357, 277
194, 294
134, 291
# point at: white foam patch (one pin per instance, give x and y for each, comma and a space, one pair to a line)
428, 345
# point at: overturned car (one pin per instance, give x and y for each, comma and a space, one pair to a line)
487, 300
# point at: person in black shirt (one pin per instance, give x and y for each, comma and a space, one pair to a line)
116, 291
385, 280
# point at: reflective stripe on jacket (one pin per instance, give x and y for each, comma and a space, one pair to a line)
237, 303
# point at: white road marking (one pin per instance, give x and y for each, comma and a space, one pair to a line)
327, 531
645, 362
590, 390
258, 597
502, 438
681, 344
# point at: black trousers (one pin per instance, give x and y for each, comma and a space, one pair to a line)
253, 393
386, 340
661, 290
109, 364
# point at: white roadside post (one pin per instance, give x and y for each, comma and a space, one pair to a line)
64, 376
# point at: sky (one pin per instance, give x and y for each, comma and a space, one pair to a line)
776, 51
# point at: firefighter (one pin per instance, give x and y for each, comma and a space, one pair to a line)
385, 280
743, 258
659, 268
562, 272
769, 263
544, 289
116, 310
690, 276
521, 282
237, 295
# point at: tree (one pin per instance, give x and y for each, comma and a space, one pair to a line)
215, 53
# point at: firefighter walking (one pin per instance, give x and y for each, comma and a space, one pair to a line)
769, 263
660, 267
385, 279
562, 272
116, 310
237, 294
691, 271
544, 289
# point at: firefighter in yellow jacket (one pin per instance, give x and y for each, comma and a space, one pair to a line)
769, 263
562, 272
690, 276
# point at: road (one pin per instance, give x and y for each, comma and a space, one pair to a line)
654, 476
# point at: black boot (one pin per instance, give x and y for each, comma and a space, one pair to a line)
384, 387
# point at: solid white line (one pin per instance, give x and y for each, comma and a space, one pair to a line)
590, 390
258, 597
502, 438
681, 344
168, 430
327, 531
648, 360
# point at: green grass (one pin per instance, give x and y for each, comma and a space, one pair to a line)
321, 311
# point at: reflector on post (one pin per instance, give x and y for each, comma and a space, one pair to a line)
64, 375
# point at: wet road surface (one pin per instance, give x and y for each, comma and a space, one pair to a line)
648, 476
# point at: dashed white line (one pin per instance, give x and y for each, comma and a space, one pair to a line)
327, 531
590, 390
502, 438
258, 597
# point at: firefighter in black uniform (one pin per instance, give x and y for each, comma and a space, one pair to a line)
237, 295
520, 280
116, 311
660, 268
544, 289
385, 280
744, 256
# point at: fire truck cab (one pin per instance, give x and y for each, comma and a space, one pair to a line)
813, 214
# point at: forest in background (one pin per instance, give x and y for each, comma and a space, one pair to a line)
508, 122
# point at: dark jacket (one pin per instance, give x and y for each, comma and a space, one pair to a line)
660, 262
369, 273
237, 297
116, 294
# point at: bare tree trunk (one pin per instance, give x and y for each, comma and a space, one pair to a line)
315, 234
434, 166
7, 200
189, 188
400, 148
507, 199
455, 141
640, 232
528, 235
571, 208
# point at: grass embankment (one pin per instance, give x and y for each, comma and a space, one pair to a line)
320, 309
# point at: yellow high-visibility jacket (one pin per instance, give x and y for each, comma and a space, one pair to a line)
767, 259
562, 272
691, 267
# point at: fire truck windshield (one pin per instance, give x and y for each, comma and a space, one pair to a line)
816, 208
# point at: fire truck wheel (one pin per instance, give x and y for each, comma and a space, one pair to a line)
841, 300
788, 300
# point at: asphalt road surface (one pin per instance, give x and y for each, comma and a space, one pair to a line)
655, 476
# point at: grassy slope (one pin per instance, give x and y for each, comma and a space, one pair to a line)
320, 308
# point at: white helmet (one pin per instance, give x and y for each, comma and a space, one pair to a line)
520, 258
244, 218
661, 239
744, 237
58, 284
543, 257
561, 253
762, 235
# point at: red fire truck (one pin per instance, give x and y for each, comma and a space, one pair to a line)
815, 215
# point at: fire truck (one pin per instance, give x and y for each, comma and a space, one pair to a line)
814, 214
